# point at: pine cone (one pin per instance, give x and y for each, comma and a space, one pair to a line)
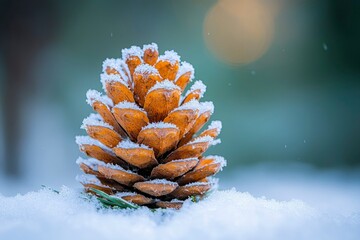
142, 144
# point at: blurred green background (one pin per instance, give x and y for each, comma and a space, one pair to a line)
284, 76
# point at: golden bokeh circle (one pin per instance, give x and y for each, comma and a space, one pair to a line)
238, 31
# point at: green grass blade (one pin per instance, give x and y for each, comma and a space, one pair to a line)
113, 201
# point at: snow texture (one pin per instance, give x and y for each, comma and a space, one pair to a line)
84, 179
86, 140
185, 160
228, 214
91, 162
152, 46
124, 194
130, 145
201, 139
132, 51
184, 68
196, 184
94, 96
114, 63
215, 125
162, 181
197, 86
159, 125
218, 159
94, 120
146, 69
206, 106
128, 105
166, 84
190, 105
170, 56
104, 78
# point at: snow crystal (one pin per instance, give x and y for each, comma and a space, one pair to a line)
215, 125
114, 63
124, 194
45, 214
184, 160
129, 145
184, 68
215, 142
161, 181
166, 84
94, 96
146, 69
206, 106
218, 159
94, 163
170, 56
86, 140
159, 125
152, 46
104, 78
94, 120
190, 105
86, 178
196, 184
201, 139
132, 51
128, 105
90, 162
198, 85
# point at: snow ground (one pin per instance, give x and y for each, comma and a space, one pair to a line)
226, 214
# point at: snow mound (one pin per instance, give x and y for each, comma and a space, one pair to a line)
223, 215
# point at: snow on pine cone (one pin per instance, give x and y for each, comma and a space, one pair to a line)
142, 144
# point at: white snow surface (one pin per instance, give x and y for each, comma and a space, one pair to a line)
227, 214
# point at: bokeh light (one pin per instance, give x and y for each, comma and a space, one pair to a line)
239, 31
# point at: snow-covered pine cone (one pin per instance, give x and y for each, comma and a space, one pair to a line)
142, 145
